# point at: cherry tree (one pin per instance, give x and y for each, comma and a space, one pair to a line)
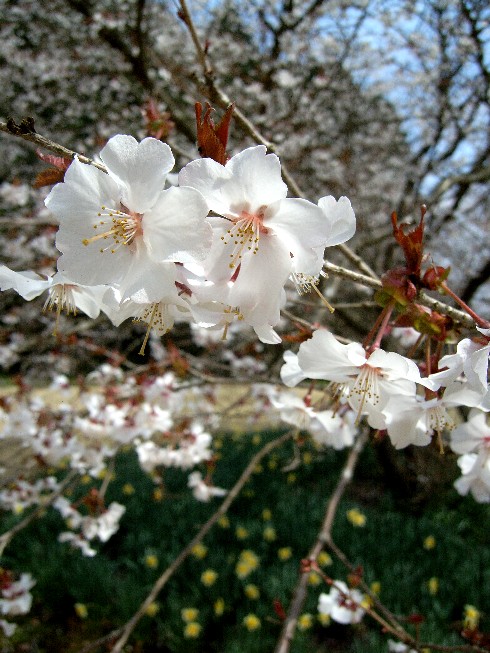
249, 183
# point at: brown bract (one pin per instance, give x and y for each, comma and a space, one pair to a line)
212, 139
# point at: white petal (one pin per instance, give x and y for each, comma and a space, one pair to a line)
209, 178
259, 176
341, 218
259, 288
300, 222
324, 357
291, 373
175, 228
250, 180
78, 199
141, 168
27, 284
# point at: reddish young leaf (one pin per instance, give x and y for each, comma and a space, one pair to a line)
212, 139
411, 243
158, 123
48, 177
278, 609
59, 162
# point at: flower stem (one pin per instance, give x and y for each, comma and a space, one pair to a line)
484, 324
379, 327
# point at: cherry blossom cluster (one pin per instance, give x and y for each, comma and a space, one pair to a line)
85, 528
388, 390
22, 494
16, 598
163, 421
210, 245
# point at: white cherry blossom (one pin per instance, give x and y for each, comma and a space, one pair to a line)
475, 478
472, 434
63, 294
326, 427
114, 226
261, 237
342, 604
470, 360
201, 490
413, 420
368, 380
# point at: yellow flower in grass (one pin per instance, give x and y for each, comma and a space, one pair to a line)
433, 585
247, 562
284, 553
105, 473
471, 617
314, 579
152, 609
189, 614
367, 602
128, 489
356, 518
429, 542
269, 534
266, 514
86, 479
158, 494
209, 577
324, 559
258, 469
224, 522
375, 587
192, 630
257, 439
307, 458
241, 533
305, 621
272, 464
81, 610
151, 561
291, 478
252, 592
219, 607
324, 619
199, 551
251, 622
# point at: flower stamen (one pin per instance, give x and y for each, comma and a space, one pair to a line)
305, 283
61, 296
244, 235
366, 387
123, 226
153, 315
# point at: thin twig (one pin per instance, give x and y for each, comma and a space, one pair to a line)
46, 143
128, 628
324, 536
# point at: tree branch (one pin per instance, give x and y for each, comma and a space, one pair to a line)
11, 128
